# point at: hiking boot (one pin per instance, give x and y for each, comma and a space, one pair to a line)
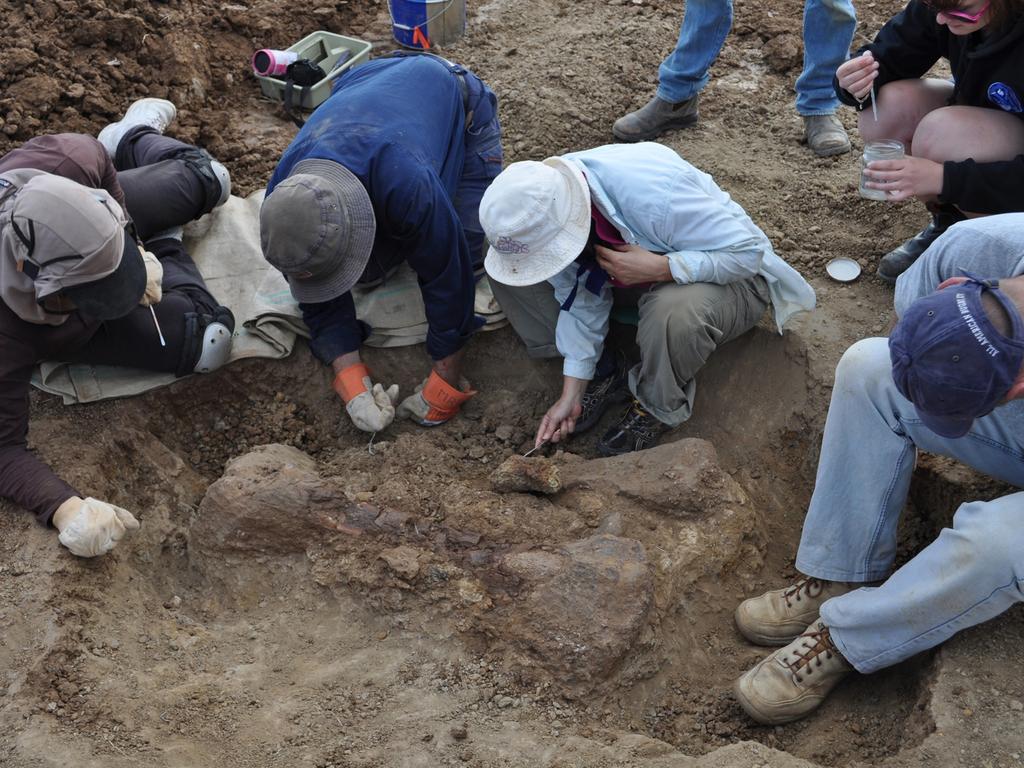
898, 260
654, 118
825, 135
636, 430
779, 616
793, 681
156, 113
601, 394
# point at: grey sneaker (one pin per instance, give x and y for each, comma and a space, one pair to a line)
793, 681
825, 135
779, 616
654, 118
156, 113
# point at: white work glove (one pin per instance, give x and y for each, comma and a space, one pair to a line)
154, 278
91, 527
369, 405
374, 409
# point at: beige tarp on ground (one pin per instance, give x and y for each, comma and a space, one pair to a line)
226, 246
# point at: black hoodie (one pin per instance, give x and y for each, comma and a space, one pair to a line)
988, 72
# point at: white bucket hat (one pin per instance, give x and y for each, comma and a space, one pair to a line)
537, 218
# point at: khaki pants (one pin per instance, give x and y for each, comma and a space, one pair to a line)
680, 326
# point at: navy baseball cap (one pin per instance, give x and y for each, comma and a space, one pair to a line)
949, 360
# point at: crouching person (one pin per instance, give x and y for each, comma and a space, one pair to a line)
76, 285
633, 224
390, 169
949, 381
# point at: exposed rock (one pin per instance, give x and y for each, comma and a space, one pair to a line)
784, 52
270, 501
521, 474
403, 561
583, 609
681, 479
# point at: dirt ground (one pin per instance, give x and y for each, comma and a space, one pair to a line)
392, 608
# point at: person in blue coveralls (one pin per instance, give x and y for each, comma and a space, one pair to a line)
390, 169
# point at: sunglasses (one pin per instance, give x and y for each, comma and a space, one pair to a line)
970, 18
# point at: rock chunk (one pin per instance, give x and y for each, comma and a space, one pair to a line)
269, 501
520, 474
680, 479
584, 608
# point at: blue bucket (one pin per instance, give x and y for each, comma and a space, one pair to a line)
423, 24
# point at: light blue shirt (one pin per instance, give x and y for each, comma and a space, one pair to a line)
660, 202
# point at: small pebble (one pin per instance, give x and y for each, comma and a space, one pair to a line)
459, 733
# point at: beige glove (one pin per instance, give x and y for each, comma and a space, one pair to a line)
369, 405
91, 527
154, 278
374, 409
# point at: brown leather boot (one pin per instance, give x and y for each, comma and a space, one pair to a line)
779, 616
654, 118
793, 681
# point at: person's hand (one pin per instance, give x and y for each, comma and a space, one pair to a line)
369, 405
560, 420
950, 281
904, 178
90, 527
631, 264
435, 401
856, 75
154, 278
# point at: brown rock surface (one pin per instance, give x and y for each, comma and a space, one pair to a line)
269, 501
584, 607
681, 479
522, 474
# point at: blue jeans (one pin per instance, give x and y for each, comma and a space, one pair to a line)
969, 574
828, 32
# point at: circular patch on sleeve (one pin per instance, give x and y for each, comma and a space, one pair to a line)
1004, 97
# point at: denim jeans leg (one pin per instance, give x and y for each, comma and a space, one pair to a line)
685, 71
868, 451
973, 572
480, 167
828, 31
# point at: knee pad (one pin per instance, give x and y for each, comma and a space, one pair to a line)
207, 344
214, 176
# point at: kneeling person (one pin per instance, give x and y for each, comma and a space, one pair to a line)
631, 224
76, 286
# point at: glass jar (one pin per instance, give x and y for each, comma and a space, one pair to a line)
885, 149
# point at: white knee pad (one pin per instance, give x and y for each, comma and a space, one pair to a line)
225, 181
216, 348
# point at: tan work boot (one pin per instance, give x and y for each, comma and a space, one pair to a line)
825, 135
654, 118
793, 681
779, 616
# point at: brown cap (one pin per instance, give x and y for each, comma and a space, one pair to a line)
317, 227
59, 237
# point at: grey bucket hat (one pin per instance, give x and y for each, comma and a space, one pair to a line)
60, 237
317, 228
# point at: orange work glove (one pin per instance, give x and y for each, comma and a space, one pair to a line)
435, 401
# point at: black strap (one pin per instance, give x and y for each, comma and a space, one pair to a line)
289, 89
